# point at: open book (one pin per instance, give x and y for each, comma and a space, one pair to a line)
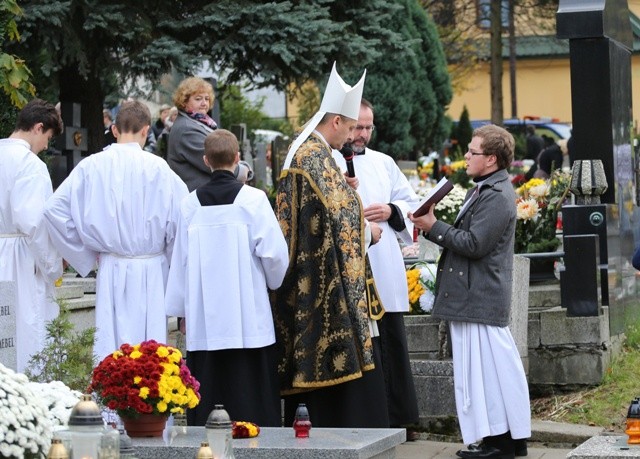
435, 195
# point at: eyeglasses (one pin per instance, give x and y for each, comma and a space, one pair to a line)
365, 128
477, 153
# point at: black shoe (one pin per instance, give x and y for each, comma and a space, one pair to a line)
484, 451
520, 447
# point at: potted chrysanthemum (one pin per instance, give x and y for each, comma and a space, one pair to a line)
145, 382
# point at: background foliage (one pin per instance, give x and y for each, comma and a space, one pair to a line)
84, 50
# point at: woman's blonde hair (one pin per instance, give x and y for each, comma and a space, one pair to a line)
189, 87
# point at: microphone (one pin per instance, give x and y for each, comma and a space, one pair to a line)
347, 154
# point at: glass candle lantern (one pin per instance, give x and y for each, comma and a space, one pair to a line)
205, 451
57, 450
301, 422
87, 437
219, 433
633, 422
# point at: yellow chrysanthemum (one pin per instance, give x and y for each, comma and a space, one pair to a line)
162, 352
144, 392
162, 406
135, 355
530, 184
116, 355
456, 165
137, 379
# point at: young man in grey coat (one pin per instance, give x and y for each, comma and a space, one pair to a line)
473, 293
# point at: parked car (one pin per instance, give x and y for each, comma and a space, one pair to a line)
548, 127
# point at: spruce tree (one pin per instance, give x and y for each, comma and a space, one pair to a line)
84, 50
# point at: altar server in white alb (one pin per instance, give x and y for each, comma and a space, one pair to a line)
387, 197
228, 251
120, 207
27, 256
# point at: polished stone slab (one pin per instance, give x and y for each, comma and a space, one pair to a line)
277, 443
605, 447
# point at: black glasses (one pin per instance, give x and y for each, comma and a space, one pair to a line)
477, 153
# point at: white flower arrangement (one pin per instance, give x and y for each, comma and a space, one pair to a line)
421, 283
29, 412
58, 398
447, 209
25, 428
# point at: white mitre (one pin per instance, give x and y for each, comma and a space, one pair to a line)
339, 98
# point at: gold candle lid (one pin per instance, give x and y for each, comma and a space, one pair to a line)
205, 451
57, 450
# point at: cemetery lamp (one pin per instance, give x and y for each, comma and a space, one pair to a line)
57, 450
126, 447
301, 421
633, 422
219, 433
205, 451
588, 181
87, 436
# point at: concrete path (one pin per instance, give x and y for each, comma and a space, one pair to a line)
423, 449
549, 440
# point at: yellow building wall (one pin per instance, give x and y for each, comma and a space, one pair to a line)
543, 88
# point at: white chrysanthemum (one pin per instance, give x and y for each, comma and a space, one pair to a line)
426, 301
58, 398
24, 423
527, 209
539, 191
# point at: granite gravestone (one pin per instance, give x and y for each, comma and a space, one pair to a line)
7, 325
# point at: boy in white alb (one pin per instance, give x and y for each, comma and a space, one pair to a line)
229, 250
121, 205
27, 256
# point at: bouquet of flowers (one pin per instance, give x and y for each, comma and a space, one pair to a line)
538, 204
148, 378
447, 209
421, 280
25, 427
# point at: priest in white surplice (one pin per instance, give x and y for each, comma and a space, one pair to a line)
27, 256
228, 251
387, 198
119, 207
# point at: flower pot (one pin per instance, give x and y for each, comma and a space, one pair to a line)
146, 425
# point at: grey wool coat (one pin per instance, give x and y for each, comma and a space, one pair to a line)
185, 150
475, 270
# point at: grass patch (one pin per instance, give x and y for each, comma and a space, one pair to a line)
603, 406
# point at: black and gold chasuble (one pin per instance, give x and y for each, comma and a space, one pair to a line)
321, 311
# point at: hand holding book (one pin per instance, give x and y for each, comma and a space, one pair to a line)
435, 195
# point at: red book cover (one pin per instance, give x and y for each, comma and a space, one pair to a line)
435, 195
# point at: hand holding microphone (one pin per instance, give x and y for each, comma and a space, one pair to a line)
347, 154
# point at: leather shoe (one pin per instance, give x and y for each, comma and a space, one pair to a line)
484, 451
520, 447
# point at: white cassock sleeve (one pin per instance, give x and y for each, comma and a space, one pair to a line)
403, 197
271, 247
27, 207
175, 297
62, 228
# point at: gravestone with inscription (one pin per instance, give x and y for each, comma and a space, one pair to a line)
7, 325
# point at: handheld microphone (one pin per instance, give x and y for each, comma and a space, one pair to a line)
347, 154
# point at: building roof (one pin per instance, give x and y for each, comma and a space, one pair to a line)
546, 46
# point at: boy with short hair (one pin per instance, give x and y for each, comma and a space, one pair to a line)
229, 250
27, 256
120, 207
